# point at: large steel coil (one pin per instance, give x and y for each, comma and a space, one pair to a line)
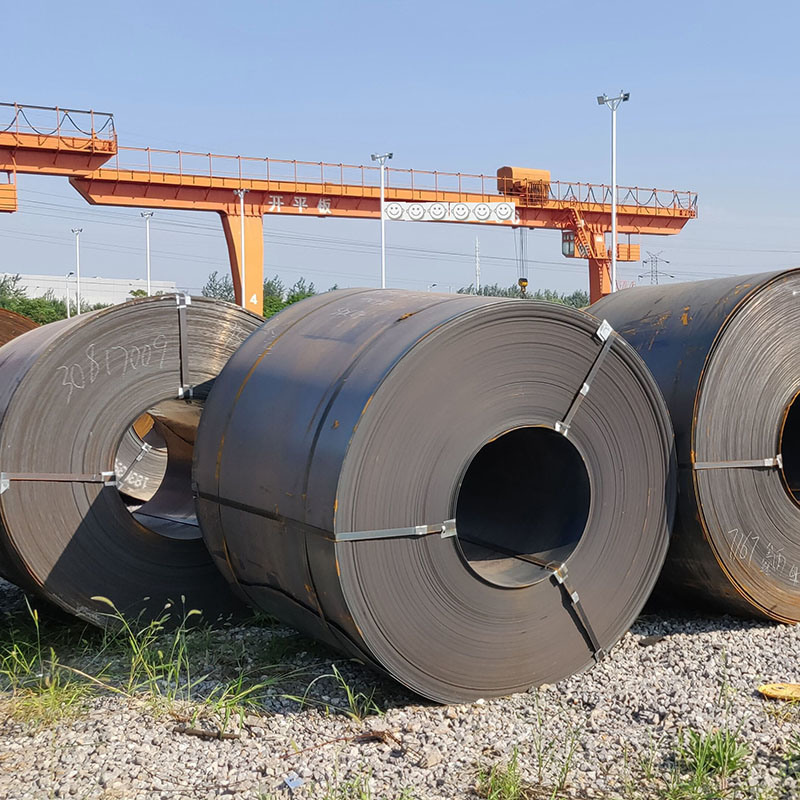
726, 354
471, 494
13, 325
69, 393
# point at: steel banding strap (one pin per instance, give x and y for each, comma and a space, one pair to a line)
184, 390
145, 448
560, 574
446, 529
603, 333
756, 463
106, 478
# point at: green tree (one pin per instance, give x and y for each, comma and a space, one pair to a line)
219, 287
273, 296
44, 309
576, 299
299, 291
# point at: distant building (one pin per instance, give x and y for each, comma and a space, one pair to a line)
93, 290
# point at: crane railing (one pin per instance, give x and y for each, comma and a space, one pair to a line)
307, 176
62, 123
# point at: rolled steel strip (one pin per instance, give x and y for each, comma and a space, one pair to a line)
382, 470
13, 325
69, 392
726, 354
141, 460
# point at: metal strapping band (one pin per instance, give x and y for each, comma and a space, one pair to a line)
756, 463
603, 333
445, 529
145, 448
560, 574
106, 478
184, 390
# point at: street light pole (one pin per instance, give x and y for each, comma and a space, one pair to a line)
66, 287
477, 266
613, 104
382, 158
77, 232
147, 215
240, 193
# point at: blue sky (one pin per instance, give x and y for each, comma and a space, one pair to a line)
455, 86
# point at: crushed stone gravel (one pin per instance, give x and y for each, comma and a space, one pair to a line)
603, 732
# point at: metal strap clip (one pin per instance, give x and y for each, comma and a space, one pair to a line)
445, 529
754, 463
145, 448
603, 333
560, 574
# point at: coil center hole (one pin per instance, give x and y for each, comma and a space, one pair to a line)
153, 466
523, 503
790, 449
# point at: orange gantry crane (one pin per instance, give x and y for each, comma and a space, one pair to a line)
83, 146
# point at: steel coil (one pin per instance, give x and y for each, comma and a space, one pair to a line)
69, 392
726, 354
471, 494
13, 325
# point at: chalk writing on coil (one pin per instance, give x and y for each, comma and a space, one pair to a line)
743, 545
115, 360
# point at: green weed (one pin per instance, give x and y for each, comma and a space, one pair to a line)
357, 705
42, 689
503, 782
716, 755
358, 788
188, 670
158, 662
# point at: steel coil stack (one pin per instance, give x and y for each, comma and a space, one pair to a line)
726, 354
472, 494
69, 393
13, 325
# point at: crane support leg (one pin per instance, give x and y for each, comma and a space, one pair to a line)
599, 278
253, 257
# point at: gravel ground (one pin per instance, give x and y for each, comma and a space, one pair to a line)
596, 731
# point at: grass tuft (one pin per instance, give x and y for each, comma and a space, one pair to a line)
713, 756
42, 690
356, 705
503, 781
188, 670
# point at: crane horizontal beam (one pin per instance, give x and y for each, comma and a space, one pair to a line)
150, 189
83, 146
